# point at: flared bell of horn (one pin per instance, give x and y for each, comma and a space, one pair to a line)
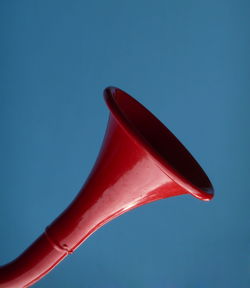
140, 161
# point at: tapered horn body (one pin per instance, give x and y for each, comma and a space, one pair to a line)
140, 161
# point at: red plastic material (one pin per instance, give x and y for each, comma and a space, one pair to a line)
140, 161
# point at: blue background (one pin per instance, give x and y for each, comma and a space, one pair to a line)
188, 62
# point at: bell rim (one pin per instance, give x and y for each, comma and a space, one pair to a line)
204, 193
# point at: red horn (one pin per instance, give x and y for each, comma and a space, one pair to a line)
140, 161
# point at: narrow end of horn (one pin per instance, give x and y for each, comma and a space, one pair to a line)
161, 144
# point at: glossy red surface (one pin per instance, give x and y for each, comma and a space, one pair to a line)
140, 161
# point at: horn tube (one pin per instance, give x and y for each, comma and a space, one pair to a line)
140, 161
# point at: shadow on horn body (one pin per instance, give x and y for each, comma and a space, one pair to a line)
140, 161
